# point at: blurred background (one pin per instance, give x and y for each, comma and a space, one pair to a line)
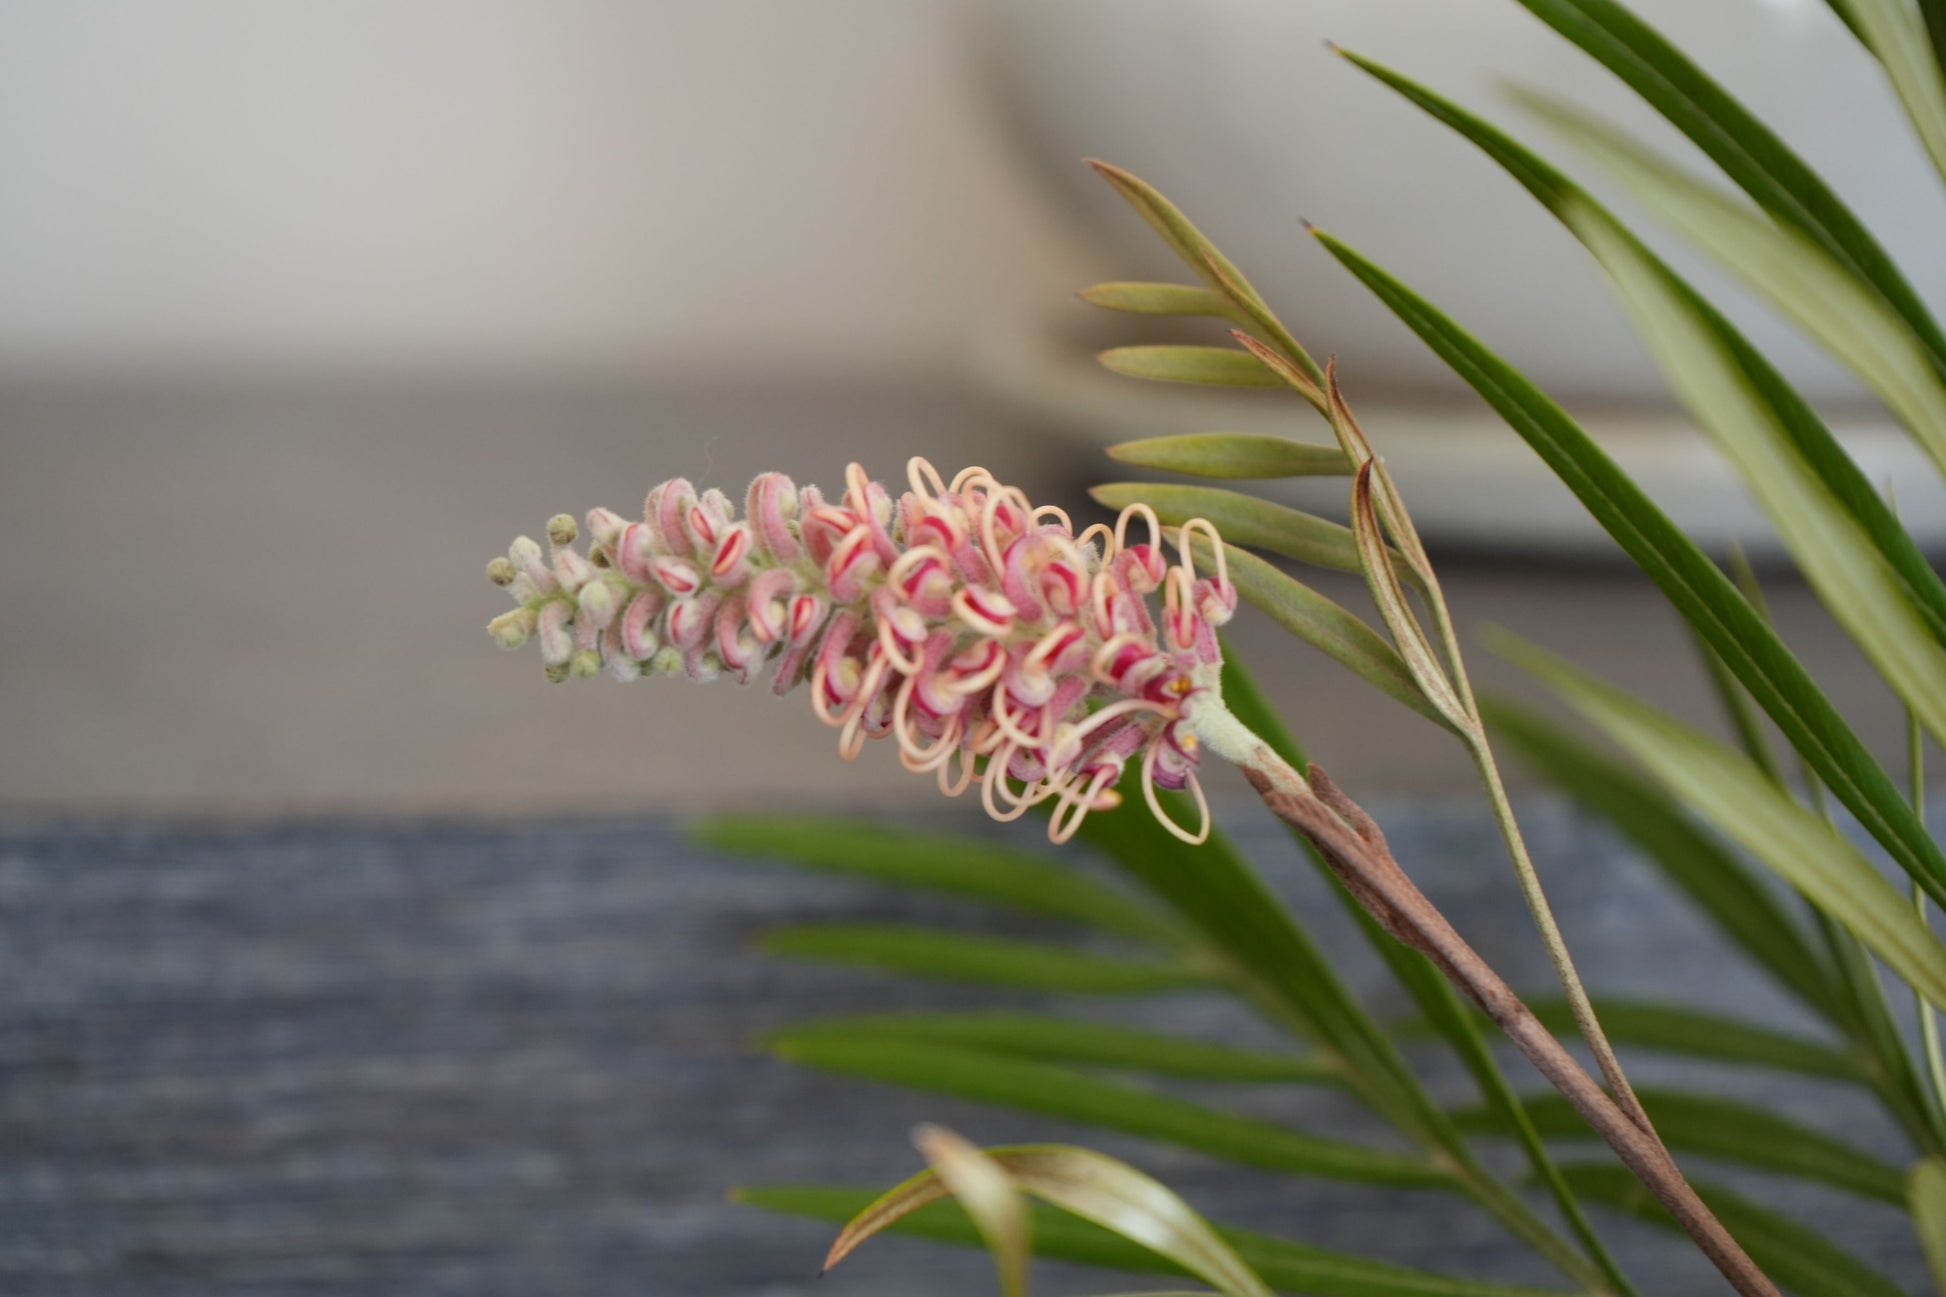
306, 310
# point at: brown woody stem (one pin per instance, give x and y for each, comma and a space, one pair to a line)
1356, 851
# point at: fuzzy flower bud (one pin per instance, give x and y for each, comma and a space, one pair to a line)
981, 634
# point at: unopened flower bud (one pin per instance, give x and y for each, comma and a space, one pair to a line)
501, 571
561, 529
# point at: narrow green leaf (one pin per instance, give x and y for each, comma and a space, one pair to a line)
1233, 456
959, 866
1813, 439
1894, 30
1749, 153
1730, 1130
1926, 1192
1706, 871
1733, 794
1205, 259
1853, 579
1845, 315
1678, 1029
1707, 599
1287, 1266
1157, 299
1167, 363
989, 961
1788, 1252
987, 1194
1324, 625
1079, 1096
1076, 1040
1242, 520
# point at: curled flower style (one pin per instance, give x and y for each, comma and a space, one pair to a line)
992, 643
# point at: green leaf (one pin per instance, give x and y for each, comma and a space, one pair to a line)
1678, 1029
1203, 257
1233, 455
1732, 793
1287, 1266
1169, 363
1324, 625
1894, 30
1706, 598
1706, 871
1157, 299
1788, 1252
1242, 520
959, 866
1926, 1192
1813, 439
1727, 1129
1076, 1040
989, 961
1844, 314
1853, 579
1078, 1096
1382, 578
1749, 153
1097, 1188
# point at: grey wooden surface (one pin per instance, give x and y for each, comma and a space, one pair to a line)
400, 1058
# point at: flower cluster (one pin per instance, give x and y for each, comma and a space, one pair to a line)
984, 636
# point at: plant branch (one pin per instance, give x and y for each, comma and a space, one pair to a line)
1356, 851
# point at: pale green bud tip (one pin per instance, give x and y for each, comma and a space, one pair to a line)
586, 664
556, 672
501, 571
561, 529
512, 629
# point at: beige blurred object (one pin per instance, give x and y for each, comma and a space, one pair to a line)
535, 186
1238, 111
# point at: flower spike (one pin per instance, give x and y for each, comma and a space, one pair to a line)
958, 620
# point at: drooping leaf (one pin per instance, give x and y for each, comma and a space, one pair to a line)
987, 1194
1242, 520
989, 961
1077, 1040
1706, 871
1845, 315
1183, 363
958, 866
1732, 1131
1794, 1256
1097, 1188
1895, 31
1325, 625
1852, 577
1157, 299
1926, 1193
1834, 466
1679, 1029
1730, 792
1079, 1096
1706, 598
1749, 153
1287, 1266
1233, 456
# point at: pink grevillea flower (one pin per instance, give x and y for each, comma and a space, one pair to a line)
980, 633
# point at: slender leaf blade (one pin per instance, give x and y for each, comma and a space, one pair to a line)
1242, 520
1926, 1193
1894, 30
1078, 1096
1182, 363
1156, 299
916, 951
1049, 1039
988, 1195
1233, 456
1679, 1029
1796, 1258
1286, 1265
1725, 788
1729, 1130
957, 866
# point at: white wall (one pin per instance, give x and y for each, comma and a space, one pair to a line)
537, 185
